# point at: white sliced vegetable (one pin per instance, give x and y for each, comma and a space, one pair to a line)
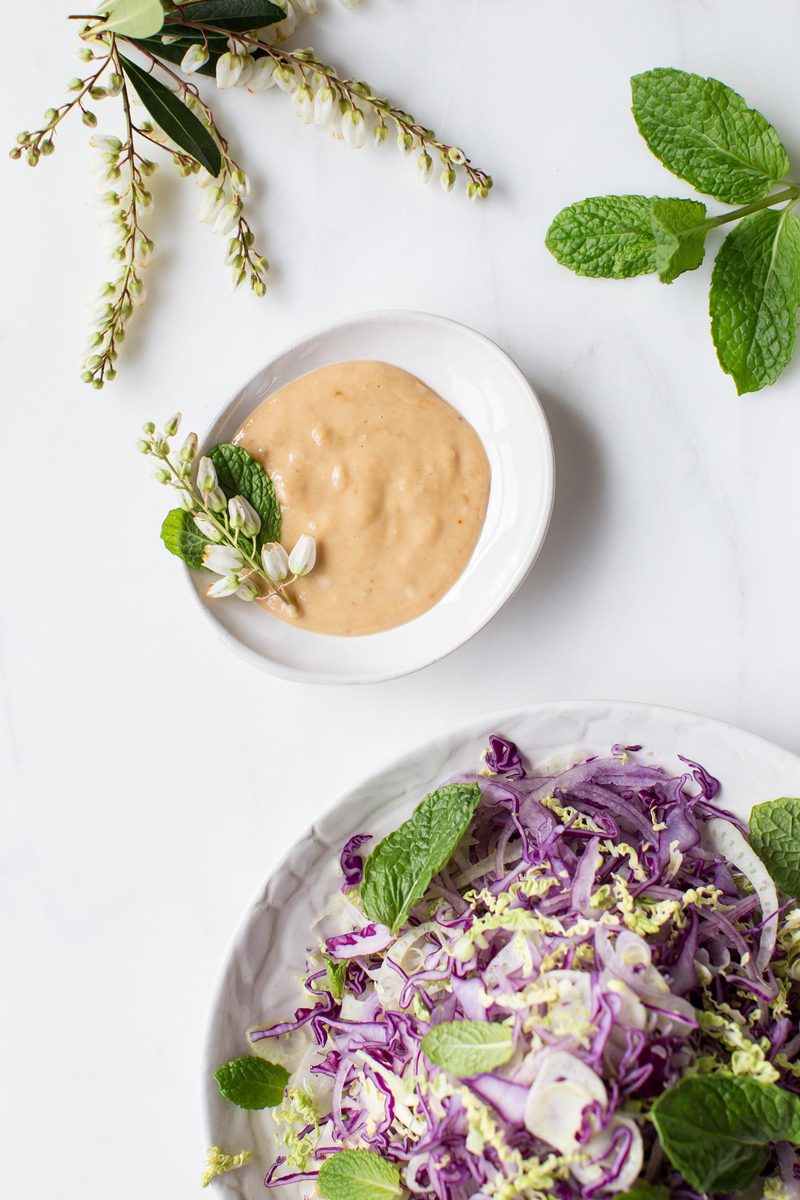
590, 1172
723, 838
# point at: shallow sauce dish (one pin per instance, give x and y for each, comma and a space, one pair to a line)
482, 383
260, 980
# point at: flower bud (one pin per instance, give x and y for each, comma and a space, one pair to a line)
216, 500
222, 560
172, 425
195, 57
148, 428
303, 103
424, 166
323, 106
211, 205
236, 515
285, 78
379, 134
229, 69
89, 119
206, 474
223, 587
240, 184
448, 179
161, 475
263, 75
189, 448
15, 152
405, 141
354, 127
303, 556
252, 521
142, 446
275, 562
187, 501
207, 527
258, 286
247, 590
227, 219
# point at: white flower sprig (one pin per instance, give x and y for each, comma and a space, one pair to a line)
154, 53
231, 526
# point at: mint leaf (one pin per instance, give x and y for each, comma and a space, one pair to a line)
775, 837
133, 18
182, 537
717, 1129
399, 869
755, 294
335, 972
604, 236
358, 1175
252, 1082
469, 1047
171, 114
236, 15
704, 132
679, 231
645, 1191
240, 475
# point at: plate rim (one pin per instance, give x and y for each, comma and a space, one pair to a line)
464, 729
297, 675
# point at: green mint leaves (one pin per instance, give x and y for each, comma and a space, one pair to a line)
717, 1129
359, 1175
467, 1048
182, 537
252, 1082
399, 869
705, 133
775, 837
240, 475
335, 977
646, 1191
608, 236
171, 114
755, 294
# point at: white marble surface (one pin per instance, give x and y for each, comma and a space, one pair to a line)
150, 777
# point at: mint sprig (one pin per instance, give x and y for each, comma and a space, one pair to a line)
704, 132
467, 1048
359, 1175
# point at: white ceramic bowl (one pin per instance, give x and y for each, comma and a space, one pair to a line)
260, 979
483, 384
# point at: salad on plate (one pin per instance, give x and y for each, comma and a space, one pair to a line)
581, 984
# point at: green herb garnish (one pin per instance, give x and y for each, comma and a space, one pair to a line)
704, 132
358, 1175
252, 1082
775, 837
469, 1047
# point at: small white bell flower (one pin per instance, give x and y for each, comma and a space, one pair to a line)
207, 528
247, 590
304, 555
354, 128
222, 560
224, 587
229, 69
263, 75
194, 58
206, 474
323, 106
275, 562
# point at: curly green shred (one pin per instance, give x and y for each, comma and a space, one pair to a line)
219, 1163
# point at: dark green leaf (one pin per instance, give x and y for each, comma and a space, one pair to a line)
717, 1129
174, 52
240, 475
680, 233
645, 1191
606, 236
358, 1175
399, 869
171, 114
252, 1082
182, 537
704, 132
236, 15
755, 295
775, 836
466, 1048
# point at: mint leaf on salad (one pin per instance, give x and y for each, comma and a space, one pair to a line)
717, 1129
399, 869
755, 295
679, 231
467, 1048
334, 974
775, 837
240, 475
358, 1175
646, 1191
703, 131
252, 1082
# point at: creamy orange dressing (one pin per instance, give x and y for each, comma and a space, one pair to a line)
389, 478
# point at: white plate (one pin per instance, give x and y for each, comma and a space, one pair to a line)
483, 384
259, 982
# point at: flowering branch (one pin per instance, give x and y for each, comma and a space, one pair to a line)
174, 48
225, 534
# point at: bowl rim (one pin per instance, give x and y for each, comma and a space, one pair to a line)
464, 728
524, 567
